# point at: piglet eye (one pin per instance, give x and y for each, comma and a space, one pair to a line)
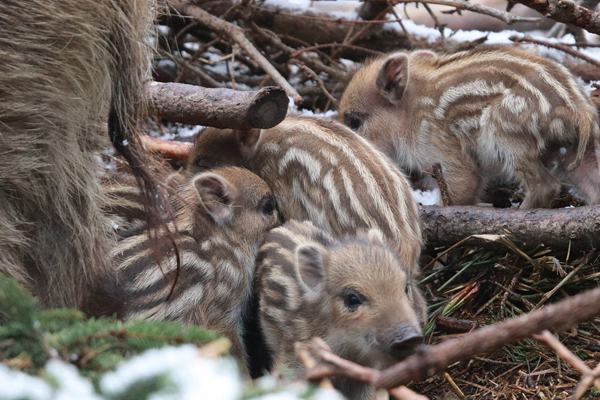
352, 301
268, 206
352, 122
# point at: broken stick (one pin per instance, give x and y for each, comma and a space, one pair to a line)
220, 108
431, 360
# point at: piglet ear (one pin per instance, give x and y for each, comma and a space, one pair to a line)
393, 78
217, 196
309, 260
423, 55
374, 236
247, 140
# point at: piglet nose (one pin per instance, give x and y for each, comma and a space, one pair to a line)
406, 341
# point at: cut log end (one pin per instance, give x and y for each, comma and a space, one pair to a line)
219, 108
268, 108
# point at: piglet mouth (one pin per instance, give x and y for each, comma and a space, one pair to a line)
406, 340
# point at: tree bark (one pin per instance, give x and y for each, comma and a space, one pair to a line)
555, 228
566, 11
221, 108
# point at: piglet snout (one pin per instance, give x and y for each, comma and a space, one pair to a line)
405, 342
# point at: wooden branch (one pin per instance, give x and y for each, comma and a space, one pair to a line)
559, 46
438, 175
221, 108
236, 33
476, 8
167, 149
429, 361
566, 11
569, 357
555, 228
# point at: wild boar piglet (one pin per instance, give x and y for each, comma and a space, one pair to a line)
495, 113
321, 171
222, 218
354, 293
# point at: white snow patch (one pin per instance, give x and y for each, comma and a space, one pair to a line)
349, 64
71, 385
188, 132
329, 114
588, 87
17, 385
192, 377
163, 29
428, 197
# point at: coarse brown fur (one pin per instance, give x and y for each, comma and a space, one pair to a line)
493, 113
321, 171
223, 217
62, 64
353, 293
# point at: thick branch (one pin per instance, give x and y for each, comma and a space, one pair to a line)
566, 11
435, 359
221, 108
555, 228
236, 33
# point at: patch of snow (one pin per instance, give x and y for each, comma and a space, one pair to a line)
428, 197
163, 29
349, 64
349, 14
329, 114
166, 63
17, 385
297, 6
188, 132
192, 377
71, 385
193, 46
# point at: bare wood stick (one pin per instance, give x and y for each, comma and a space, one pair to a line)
173, 151
456, 325
309, 362
337, 366
221, 108
569, 357
404, 393
476, 8
559, 46
313, 75
236, 33
566, 11
432, 360
458, 4
439, 177
445, 226
586, 381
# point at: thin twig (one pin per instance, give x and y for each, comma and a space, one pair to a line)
408, 35
327, 45
589, 376
460, 5
439, 177
320, 83
335, 73
237, 34
559, 46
